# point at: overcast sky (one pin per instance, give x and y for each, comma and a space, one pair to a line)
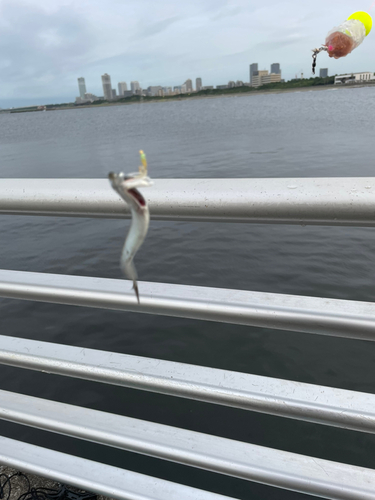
47, 44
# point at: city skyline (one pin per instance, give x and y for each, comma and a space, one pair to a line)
110, 93
50, 44
262, 77
257, 78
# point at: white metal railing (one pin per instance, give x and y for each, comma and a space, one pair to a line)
103, 479
330, 201
339, 318
216, 454
292, 201
311, 403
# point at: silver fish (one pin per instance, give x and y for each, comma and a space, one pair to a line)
126, 186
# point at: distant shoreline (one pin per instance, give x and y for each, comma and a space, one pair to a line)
193, 97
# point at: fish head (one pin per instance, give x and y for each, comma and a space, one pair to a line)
132, 181
129, 181
126, 185
116, 179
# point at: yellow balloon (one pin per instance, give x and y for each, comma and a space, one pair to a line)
365, 19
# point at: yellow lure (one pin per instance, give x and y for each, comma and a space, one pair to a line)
143, 167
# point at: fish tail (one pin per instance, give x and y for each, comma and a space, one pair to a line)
135, 288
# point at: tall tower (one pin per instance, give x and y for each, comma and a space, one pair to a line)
253, 69
198, 84
275, 68
134, 86
82, 87
189, 85
107, 87
122, 87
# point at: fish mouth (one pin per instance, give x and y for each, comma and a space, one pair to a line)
137, 196
129, 182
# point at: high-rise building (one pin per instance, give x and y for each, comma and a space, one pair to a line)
323, 73
198, 84
275, 68
253, 69
189, 85
82, 87
107, 87
122, 87
114, 94
134, 86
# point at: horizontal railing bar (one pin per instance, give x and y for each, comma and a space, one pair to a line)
322, 201
339, 318
311, 403
92, 476
233, 458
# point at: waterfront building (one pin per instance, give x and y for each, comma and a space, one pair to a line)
208, 87
82, 87
90, 97
167, 90
114, 94
107, 87
275, 68
354, 78
256, 80
122, 87
189, 85
231, 85
272, 78
239, 83
134, 87
221, 87
198, 84
323, 73
253, 69
180, 89
154, 90
263, 77
87, 98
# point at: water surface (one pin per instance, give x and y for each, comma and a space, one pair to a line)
308, 134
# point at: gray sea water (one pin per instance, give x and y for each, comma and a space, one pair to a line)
304, 134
